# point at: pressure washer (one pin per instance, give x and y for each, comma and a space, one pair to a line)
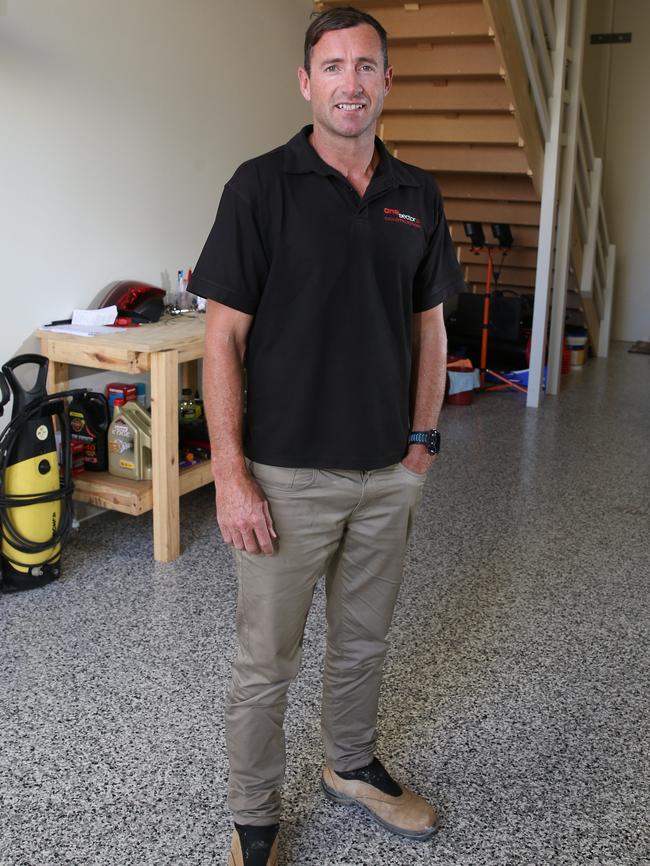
35, 495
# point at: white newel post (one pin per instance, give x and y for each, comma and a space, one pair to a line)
548, 209
567, 194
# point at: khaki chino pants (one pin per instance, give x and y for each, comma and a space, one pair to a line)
353, 527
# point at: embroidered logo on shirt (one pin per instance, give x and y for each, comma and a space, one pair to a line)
392, 215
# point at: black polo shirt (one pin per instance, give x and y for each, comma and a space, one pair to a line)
332, 280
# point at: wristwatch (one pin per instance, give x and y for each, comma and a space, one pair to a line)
430, 438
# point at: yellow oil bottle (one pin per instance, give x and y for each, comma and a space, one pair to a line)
123, 445
129, 441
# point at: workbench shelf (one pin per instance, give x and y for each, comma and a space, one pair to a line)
133, 497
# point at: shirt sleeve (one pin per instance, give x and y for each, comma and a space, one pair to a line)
233, 265
439, 275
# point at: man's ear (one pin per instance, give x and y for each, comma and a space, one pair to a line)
304, 83
388, 80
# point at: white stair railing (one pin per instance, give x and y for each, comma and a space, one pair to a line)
533, 49
599, 255
551, 38
566, 204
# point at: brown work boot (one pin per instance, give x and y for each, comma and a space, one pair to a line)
254, 846
397, 809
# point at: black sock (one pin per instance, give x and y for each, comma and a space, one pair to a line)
256, 842
376, 775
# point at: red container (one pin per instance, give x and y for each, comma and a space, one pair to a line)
462, 399
459, 365
121, 391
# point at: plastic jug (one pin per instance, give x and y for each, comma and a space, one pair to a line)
89, 422
124, 452
141, 420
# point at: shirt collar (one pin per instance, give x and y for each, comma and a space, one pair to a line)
301, 158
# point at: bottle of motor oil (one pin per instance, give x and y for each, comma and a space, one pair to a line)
141, 419
124, 444
89, 425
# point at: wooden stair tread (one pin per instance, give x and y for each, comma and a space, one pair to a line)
515, 213
464, 19
517, 257
466, 158
524, 277
442, 95
366, 5
524, 237
425, 60
461, 128
500, 187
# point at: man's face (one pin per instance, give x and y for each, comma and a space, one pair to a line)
347, 82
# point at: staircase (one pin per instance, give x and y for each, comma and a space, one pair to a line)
452, 111
472, 102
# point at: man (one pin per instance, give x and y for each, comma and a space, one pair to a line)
324, 272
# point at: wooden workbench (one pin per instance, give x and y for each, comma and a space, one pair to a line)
158, 349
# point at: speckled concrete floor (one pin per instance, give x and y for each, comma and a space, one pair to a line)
516, 690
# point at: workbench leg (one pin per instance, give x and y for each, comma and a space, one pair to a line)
164, 455
58, 377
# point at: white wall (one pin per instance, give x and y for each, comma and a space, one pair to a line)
597, 66
121, 121
617, 94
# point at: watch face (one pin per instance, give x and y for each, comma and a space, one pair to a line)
434, 442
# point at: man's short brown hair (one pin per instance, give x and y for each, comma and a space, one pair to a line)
340, 18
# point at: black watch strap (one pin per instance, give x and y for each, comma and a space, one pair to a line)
430, 438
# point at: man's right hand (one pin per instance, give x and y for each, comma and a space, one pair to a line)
243, 514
